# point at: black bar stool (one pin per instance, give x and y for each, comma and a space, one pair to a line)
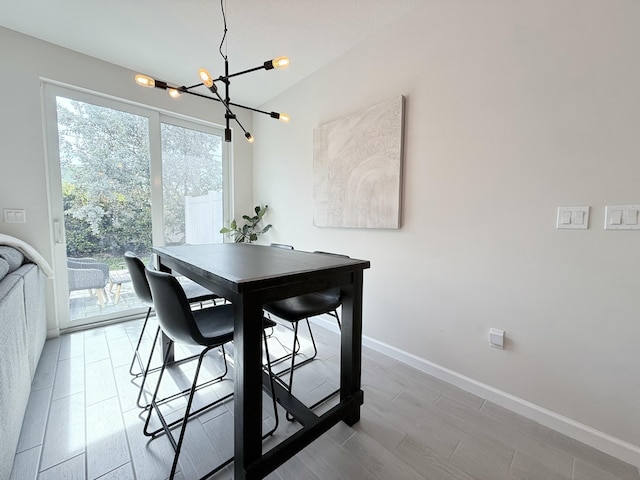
196, 294
209, 328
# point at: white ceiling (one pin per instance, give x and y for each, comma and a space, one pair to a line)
171, 39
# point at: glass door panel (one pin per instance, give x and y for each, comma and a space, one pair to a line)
192, 185
104, 169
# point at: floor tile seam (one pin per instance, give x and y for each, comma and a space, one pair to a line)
68, 394
41, 447
48, 415
373, 472
550, 445
40, 388
100, 400
51, 353
44, 431
61, 462
96, 360
406, 435
62, 359
453, 421
394, 397
433, 455
353, 432
454, 450
110, 471
124, 426
497, 437
513, 458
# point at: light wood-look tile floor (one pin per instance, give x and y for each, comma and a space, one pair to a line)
82, 422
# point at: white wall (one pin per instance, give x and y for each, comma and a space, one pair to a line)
513, 108
25, 60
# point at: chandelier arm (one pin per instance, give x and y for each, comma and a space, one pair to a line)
203, 96
248, 108
238, 122
271, 114
261, 67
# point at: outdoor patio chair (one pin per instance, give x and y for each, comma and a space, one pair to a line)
88, 274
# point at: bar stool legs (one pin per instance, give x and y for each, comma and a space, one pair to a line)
167, 426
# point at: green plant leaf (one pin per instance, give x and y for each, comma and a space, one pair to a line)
250, 231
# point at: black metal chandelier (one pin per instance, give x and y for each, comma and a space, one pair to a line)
210, 83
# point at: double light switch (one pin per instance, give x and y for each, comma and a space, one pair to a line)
573, 217
622, 217
12, 215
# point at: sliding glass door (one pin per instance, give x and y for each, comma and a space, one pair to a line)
123, 178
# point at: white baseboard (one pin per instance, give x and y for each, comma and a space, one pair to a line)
606, 443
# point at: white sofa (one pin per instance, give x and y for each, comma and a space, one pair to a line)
23, 330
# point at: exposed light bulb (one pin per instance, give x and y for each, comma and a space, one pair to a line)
206, 77
174, 92
280, 62
284, 118
145, 81
249, 137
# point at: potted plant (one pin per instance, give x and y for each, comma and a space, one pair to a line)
250, 231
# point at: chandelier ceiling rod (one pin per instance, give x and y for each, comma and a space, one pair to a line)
209, 82
275, 115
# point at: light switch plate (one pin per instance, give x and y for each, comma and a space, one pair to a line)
621, 217
573, 218
13, 215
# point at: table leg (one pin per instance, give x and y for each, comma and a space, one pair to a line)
248, 385
351, 344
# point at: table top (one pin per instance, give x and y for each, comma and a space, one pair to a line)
242, 266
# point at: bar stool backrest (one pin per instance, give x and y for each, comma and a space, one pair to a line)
138, 278
173, 309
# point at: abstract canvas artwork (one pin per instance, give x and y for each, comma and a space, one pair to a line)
357, 168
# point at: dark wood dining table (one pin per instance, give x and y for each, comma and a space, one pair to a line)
250, 276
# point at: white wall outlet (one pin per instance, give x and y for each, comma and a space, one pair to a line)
496, 338
573, 218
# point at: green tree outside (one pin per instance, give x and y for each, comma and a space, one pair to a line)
104, 158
